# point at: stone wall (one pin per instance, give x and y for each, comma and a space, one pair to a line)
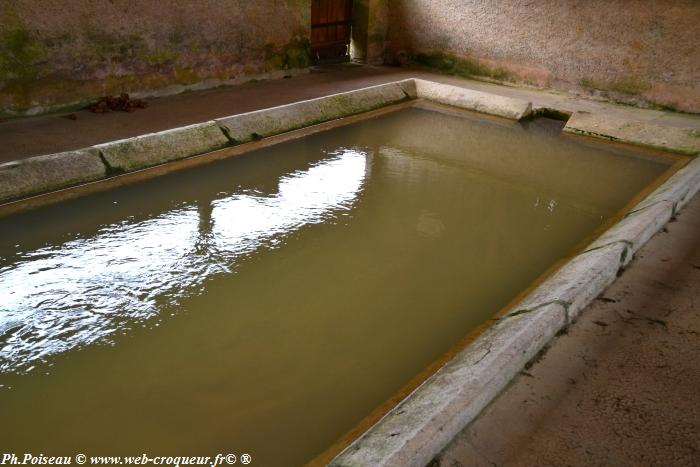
369, 27
54, 53
642, 52
62, 54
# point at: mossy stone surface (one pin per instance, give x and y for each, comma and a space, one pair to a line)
461, 66
59, 54
477, 101
681, 140
249, 126
156, 148
41, 174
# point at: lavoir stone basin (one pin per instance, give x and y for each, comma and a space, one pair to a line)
354, 287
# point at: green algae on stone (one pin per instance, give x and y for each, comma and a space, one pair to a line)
295, 54
49, 70
117, 48
666, 138
629, 85
461, 66
157, 148
276, 120
160, 57
20, 53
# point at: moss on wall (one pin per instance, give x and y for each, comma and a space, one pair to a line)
53, 54
20, 54
632, 90
461, 66
294, 54
642, 56
630, 85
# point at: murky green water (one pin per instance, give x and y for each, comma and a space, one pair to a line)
266, 304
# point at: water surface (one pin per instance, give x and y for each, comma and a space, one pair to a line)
266, 304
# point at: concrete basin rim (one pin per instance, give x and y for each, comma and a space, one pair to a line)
436, 427
668, 199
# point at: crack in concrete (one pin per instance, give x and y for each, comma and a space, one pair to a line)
590, 133
109, 170
488, 351
567, 314
644, 208
629, 246
227, 134
626, 242
523, 311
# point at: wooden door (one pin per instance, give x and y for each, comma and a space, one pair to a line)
330, 29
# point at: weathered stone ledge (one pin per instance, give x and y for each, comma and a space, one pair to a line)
476, 101
42, 174
635, 229
268, 122
678, 190
418, 428
582, 279
47, 173
680, 140
156, 148
427, 420
27, 177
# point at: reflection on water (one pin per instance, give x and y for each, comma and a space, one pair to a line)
267, 303
243, 223
71, 295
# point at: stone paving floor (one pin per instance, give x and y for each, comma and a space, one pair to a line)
622, 388
54, 133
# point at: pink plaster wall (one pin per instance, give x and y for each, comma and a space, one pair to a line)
636, 51
53, 52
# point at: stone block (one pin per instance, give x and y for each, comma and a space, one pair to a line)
156, 148
40, 174
268, 122
681, 140
476, 101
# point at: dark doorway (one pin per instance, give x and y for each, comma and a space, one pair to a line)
330, 30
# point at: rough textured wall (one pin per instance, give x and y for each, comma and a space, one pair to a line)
56, 52
377, 27
635, 51
370, 20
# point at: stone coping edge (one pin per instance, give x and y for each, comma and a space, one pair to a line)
250, 126
666, 138
420, 426
423, 423
42, 174
477, 101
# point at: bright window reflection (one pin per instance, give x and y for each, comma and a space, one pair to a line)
82, 291
242, 222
